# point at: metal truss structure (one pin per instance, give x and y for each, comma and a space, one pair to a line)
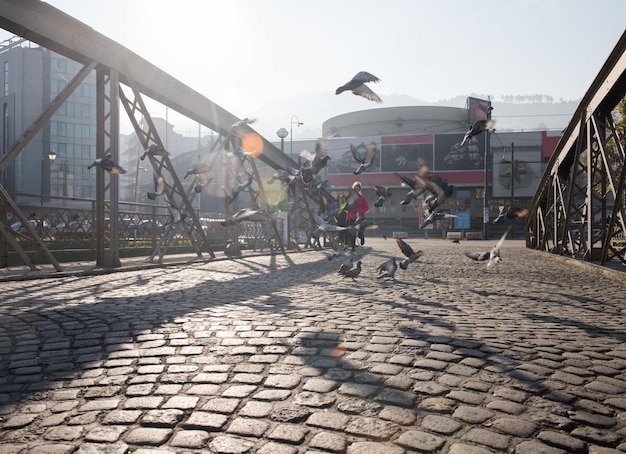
116, 68
578, 209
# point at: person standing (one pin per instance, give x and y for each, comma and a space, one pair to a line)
357, 211
340, 219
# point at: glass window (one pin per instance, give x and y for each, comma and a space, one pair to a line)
54, 128
84, 110
85, 131
62, 129
6, 78
86, 152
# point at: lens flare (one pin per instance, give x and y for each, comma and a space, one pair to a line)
252, 144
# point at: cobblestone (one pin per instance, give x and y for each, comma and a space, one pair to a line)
274, 354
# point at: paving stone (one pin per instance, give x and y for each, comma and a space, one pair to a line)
563, 441
248, 427
462, 448
289, 433
512, 408
230, 445
193, 439
372, 428
535, 447
487, 438
162, 418
368, 447
205, 421
221, 405
105, 434
277, 448
148, 436
329, 441
517, 427
472, 415
421, 441
255, 409
328, 420
440, 424
64, 433
122, 417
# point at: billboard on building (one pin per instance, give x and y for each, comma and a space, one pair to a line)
450, 155
477, 109
341, 159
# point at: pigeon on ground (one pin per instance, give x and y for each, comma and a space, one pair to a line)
159, 187
493, 255
387, 269
231, 250
107, 163
338, 251
416, 189
383, 193
365, 160
346, 266
354, 272
510, 214
198, 169
154, 150
358, 87
477, 128
247, 214
408, 252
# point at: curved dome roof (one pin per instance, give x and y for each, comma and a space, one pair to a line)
397, 120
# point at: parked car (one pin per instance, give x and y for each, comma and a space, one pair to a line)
41, 227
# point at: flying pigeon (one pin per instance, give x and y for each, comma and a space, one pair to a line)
435, 216
176, 213
408, 252
383, 193
159, 187
354, 272
247, 214
510, 214
493, 255
346, 266
198, 169
358, 87
232, 196
107, 163
366, 160
313, 163
437, 186
388, 269
477, 128
286, 175
154, 150
415, 191
234, 131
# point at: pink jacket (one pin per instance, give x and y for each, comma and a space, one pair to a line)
360, 208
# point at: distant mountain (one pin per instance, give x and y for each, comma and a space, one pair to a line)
512, 113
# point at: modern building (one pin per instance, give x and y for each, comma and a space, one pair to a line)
409, 137
32, 77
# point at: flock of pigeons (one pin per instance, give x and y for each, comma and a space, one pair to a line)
435, 189
388, 269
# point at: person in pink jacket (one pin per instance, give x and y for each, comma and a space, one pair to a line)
357, 213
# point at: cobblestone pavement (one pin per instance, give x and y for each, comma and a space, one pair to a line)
279, 354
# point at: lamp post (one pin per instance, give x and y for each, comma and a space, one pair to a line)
282, 133
297, 122
45, 165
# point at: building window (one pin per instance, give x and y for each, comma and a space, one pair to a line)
6, 78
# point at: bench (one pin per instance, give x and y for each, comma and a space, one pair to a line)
400, 235
454, 235
473, 235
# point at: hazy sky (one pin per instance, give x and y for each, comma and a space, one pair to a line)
248, 55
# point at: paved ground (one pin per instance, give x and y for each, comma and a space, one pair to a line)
278, 354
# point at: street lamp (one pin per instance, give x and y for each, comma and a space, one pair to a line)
282, 133
44, 164
299, 123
